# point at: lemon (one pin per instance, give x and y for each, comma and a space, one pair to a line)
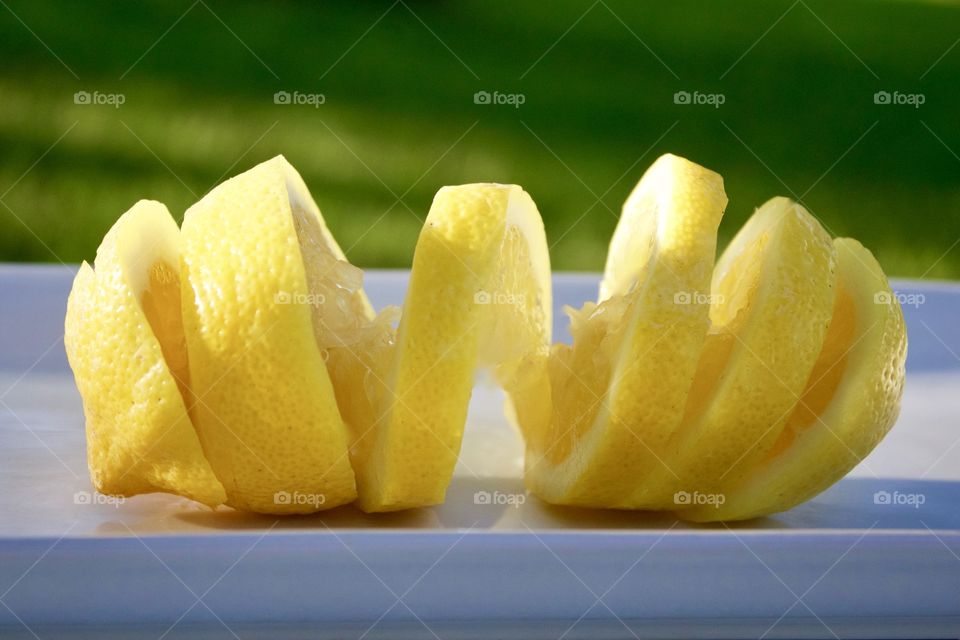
259, 270
850, 401
239, 361
617, 395
479, 293
775, 280
124, 340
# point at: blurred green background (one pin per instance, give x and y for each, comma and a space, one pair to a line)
399, 118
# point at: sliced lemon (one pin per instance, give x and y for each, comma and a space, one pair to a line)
479, 293
266, 290
771, 302
125, 343
618, 393
851, 399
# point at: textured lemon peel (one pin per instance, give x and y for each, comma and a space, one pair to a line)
488, 241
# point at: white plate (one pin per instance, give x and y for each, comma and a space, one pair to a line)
839, 565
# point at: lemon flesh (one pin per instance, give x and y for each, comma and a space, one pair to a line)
479, 293
771, 302
254, 305
850, 401
618, 393
124, 339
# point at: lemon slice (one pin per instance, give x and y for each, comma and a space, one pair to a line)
266, 288
124, 339
479, 293
618, 393
851, 399
771, 302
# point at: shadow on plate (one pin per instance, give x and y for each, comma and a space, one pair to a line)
502, 504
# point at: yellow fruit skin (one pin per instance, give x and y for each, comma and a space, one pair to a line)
663, 248
417, 439
863, 406
139, 436
773, 343
266, 412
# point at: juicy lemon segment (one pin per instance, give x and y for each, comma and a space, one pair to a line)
618, 392
479, 293
851, 399
124, 339
772, 300
258, 268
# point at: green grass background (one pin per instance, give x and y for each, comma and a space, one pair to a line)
400, 121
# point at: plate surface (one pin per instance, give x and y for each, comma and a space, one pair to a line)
491, 558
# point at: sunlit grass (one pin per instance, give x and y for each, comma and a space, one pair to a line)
399, 119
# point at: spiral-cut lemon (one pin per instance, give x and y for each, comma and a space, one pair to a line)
124, 339
302, 398
239, 361
721, 398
